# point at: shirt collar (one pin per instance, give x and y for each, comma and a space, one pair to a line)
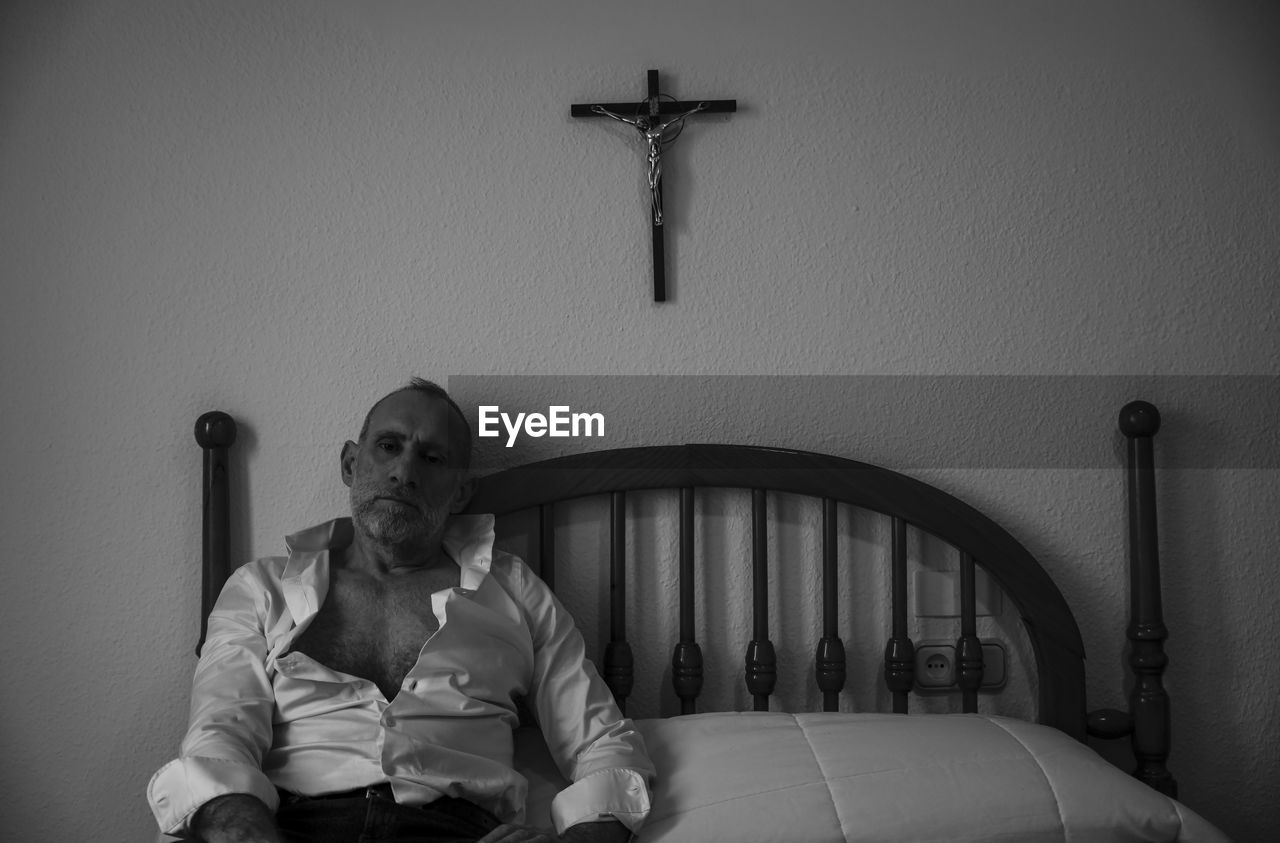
468, 540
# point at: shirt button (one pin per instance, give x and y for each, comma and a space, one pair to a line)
389, 721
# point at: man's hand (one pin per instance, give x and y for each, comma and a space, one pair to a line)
608, 831
235, 818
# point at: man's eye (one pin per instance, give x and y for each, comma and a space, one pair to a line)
388, 447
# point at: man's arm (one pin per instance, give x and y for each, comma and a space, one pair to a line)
591, 741
231, 709
235, 818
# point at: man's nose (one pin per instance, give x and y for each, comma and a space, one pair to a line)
404, 471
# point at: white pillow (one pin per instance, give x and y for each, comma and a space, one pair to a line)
773, 777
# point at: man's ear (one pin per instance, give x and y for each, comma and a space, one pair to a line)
348, 461
462, 497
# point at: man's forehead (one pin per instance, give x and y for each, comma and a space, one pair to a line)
405, 413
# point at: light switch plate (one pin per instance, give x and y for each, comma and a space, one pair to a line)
937, 594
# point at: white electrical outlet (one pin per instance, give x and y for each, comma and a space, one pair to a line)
936, 668
935, 665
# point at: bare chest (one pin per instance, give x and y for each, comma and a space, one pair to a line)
375, 628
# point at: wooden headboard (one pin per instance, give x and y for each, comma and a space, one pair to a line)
836, 483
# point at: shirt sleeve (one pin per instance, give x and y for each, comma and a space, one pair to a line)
595, 746
231, 712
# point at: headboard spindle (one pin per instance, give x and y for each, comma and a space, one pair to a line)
619, 665
969, 667
762, 662
686, 660
829, 661
900, 653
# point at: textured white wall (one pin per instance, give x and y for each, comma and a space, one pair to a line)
283, 209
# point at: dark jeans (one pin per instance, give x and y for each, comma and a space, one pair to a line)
375, 817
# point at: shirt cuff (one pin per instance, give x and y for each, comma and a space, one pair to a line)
179, 788
615, 793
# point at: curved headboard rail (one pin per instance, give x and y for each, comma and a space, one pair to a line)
1051, 628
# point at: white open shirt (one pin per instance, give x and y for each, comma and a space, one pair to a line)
263, 717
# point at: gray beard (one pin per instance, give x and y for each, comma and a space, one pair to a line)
396, 527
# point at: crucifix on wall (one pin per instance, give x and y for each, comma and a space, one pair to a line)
659, 122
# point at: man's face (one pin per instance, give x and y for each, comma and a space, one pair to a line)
409, 472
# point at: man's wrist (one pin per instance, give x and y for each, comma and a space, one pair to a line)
607, 830
235, 818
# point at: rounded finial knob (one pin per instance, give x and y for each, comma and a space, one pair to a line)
1138, 418
215, 429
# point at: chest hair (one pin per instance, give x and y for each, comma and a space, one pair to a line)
375, 628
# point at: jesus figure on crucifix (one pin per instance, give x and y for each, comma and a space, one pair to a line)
655, 134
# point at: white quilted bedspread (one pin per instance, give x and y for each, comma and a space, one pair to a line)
882, 777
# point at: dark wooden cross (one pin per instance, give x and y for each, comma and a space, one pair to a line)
660, 122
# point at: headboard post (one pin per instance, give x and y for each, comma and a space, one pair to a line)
215, 432
1148, 703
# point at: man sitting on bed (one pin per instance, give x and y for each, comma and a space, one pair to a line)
366, 685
